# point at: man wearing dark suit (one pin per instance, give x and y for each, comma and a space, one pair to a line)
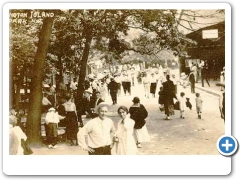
113, 87
168, 95
204, 73
86, 103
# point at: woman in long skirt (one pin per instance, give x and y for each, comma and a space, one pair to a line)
139, 113
124, 140
71, 121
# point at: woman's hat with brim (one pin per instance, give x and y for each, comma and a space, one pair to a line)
51, 109
88, 91
102, 104
46, 85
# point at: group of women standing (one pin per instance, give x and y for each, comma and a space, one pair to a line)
131, 129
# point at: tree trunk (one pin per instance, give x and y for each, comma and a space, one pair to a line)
19, 83
34, 112
11, 87
59, 77
181, 64
83, 67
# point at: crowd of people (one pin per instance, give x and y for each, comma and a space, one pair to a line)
61, 110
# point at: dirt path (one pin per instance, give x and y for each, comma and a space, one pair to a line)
189, 136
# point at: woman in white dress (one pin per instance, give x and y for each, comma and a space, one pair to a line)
124, 140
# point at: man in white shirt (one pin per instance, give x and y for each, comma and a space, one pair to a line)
100, 132
74, 84
146, 84
200, 66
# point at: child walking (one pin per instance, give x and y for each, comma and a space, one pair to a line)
52, 119
161, 99
199, 102
182, 105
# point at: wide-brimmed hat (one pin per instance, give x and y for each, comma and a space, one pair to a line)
102, 104
46, 85
88, 91
51, 109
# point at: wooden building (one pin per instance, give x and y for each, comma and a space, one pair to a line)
210, 47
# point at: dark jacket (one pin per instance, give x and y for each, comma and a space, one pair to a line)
113, 86
161, 97
95, 102
168, 88
86, 106
138, 114
191, 78
169, 92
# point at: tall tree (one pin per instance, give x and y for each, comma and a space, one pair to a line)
34, 111
22, 50
95, 27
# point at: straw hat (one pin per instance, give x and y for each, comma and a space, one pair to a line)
88, 91
102, 104
51, 109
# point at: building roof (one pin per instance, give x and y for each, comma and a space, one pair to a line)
213, 42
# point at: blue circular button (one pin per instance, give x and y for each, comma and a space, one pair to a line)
227, 145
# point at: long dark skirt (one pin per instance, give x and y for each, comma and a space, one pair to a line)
153, 88
168, 101
71, 125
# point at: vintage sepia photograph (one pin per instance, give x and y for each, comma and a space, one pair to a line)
117, 80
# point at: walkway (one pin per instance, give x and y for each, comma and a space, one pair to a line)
213, 89
189, 136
